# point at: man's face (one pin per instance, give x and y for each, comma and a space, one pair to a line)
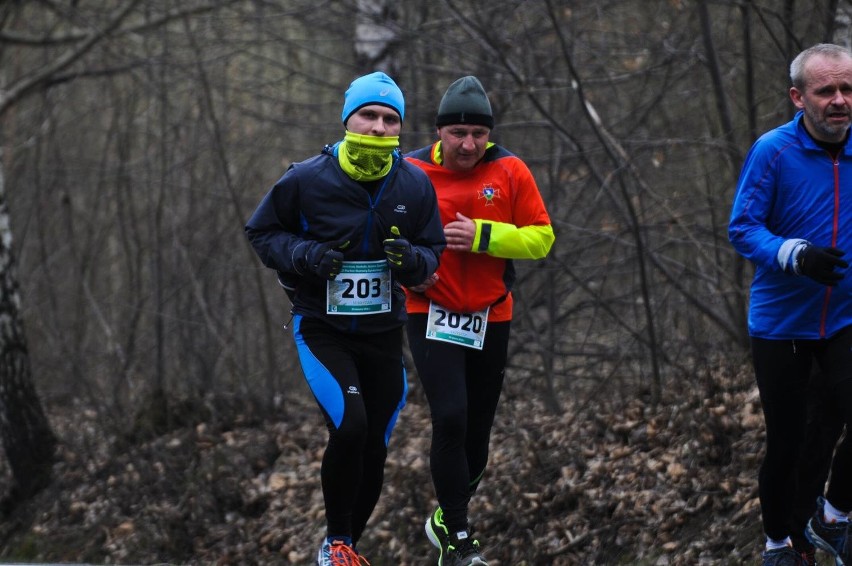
827, 97
463, 145
374, 120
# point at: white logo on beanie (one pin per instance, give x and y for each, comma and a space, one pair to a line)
375, 88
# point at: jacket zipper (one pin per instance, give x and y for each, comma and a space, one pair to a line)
834, 229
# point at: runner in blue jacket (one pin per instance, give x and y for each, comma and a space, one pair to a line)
792, 217
792, 192
344, 230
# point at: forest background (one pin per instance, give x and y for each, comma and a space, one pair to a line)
144, 339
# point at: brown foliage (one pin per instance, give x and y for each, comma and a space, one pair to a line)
621, 483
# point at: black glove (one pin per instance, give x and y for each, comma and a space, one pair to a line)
400, 254
323, 260
819, 263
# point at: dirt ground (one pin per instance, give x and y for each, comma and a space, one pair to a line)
615, 482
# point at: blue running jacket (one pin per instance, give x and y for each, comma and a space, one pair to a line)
789, 188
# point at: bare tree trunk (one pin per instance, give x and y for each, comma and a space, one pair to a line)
27, 437
739, 312
374, 38
840, 26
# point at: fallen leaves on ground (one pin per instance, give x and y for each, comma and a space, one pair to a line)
607, 482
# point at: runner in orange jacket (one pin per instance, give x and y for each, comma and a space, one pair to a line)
459, 319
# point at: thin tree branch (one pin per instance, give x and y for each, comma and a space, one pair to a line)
43, 76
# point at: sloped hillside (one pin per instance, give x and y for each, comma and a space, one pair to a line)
608, 483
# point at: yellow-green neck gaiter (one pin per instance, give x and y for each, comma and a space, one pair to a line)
366, 158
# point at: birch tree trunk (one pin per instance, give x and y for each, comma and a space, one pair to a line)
374, 34
842, 33
27, 437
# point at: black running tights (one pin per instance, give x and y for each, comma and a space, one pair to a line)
782, 369
463, 388
360, 385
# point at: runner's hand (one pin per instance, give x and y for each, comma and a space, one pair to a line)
324, 260
400, 254
428, 282
819, 264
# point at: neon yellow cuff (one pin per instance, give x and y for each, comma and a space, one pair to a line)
477, 237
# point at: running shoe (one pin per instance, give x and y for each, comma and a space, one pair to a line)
463, 551
783, 557
804, 547
338, 553
809, 556
437, 533
833, 538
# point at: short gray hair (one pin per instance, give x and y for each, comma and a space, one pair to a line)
797, 67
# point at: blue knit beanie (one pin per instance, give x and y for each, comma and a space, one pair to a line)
375, 88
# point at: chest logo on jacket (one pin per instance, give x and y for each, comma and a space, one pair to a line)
489, 193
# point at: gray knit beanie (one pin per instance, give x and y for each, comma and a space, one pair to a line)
465, 102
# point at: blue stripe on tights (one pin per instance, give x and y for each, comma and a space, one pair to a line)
392, 421
323, 385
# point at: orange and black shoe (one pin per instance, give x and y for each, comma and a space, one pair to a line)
338, 552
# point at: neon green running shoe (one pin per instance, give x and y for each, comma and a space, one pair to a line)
455, 550
464, 551
437, 533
